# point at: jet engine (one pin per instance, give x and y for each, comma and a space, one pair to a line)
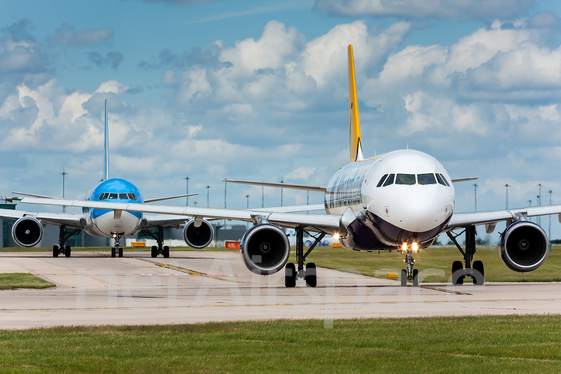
523, 246
265, 249
27, 232
198, 237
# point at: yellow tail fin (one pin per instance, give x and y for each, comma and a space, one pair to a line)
356, 142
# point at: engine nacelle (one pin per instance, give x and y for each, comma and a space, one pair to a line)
198, 237
523, 246
27, 232
265, 249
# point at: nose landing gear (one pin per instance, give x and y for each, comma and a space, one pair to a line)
410, 274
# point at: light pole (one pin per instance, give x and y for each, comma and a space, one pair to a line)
539, 202
207, 196
507, 186
247, 206
64, 174
475, 190
187, 191
281, 193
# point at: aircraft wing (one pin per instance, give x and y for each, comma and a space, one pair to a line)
157, 220
330, 224
76, 221
481, 218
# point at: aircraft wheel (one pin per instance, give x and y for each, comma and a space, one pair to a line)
415, 278
112, 252
311, 275
120, 252
457, 273
403, 278
154, 253
479, 273
55, 250
290, 275
166, 252
67, 251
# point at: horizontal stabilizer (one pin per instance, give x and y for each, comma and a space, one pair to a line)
280, 185
463, 180
169, 198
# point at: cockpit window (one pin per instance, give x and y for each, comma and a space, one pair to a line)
123, 196
426, 178
442, 180
382, 180
113, 196
389, 180
103, 196
405, 179
131, 196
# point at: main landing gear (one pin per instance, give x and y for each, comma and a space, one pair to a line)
117, 249
477, 271
410, 274
159, 237
61, 248
310, 274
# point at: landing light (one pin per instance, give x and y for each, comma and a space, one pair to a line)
336, 236
404, 246
414, 247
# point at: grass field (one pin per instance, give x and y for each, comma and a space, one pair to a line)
432, 260
513, 344
10, 281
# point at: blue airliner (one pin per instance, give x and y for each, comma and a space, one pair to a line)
27, 231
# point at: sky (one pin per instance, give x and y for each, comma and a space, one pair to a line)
257, 90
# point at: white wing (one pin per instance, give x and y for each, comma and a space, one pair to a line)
318, 222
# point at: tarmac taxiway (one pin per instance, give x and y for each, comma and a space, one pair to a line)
189, 287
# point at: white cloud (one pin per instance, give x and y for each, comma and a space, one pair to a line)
440, 9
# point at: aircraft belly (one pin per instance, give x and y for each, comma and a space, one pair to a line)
369, 232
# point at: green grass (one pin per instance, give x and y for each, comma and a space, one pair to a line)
373, 264
10, 281
514, 344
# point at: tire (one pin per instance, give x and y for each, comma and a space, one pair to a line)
166, 252
67, 251
415, 278
457, 273
154, 253
403, 278
112, 252
311, 275
290, 275
55, 250
479, 273
120, 252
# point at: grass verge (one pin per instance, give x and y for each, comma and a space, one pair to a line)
10, 281
490, 344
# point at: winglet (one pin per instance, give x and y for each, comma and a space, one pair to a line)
106, 145
354, 121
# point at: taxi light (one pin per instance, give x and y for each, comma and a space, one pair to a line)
414, 247
404, 246
336, 236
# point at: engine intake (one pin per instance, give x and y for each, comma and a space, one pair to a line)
523, 246
27, 232
265, 249
198, 237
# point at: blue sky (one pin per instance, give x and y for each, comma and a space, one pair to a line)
257, 90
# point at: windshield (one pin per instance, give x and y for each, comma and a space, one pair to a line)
405, 179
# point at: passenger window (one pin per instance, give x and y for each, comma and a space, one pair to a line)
389, 180
382, 180
426, 178
405, 179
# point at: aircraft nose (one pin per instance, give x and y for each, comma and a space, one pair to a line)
424, 211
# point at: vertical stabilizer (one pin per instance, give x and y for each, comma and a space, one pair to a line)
106, 141
356, 142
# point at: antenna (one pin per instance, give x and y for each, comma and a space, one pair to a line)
106, 144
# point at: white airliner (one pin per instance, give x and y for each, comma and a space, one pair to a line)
400, 200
